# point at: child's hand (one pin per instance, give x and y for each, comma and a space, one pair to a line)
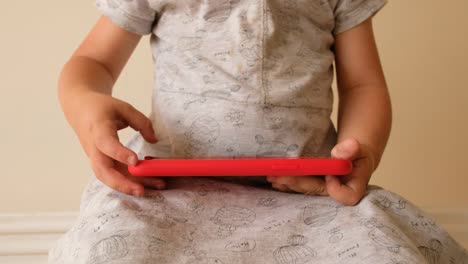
100, 117
348, 189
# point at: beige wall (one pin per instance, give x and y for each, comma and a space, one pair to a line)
423, 47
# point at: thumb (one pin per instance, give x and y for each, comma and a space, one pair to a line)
139, 122
347, 149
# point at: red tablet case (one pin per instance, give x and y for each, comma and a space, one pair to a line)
241, 167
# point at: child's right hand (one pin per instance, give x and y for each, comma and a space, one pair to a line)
100, 117
85, 88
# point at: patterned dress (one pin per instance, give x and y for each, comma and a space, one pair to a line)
244, 78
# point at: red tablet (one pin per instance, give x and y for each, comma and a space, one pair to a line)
241, 167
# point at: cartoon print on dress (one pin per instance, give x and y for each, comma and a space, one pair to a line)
232, 148
193, 203
335, 235
276, 223
296, 252
384, 235
190, 236
203, 188
397, 207
274, 122
319, 214
425, 223
235, 117
396, 261
247, 32
192, 62
349, 251
155, 245
244, 77
199, 257
219, 10
191, 43
189, 103
218, 88
251, 51
385, 203
109, 249
167, 77
103, 219
230, 218
432, 252
273, 148
222, 54
269, 202
202, 134
241, 245
271, 119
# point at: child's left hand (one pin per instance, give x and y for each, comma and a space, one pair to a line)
348, 189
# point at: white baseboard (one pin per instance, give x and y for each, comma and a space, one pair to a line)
26, 237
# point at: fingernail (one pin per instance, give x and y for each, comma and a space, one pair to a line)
132, 160
333, 153
340, 153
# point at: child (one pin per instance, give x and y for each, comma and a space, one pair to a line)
238, 78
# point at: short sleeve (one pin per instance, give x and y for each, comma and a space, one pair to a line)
350, 13
136, 16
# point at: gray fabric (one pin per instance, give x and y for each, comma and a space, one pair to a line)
202, 220
237, 78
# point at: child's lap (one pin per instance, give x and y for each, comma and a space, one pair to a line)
200, 220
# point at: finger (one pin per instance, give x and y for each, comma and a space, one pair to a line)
107, 141
139, 122
310, 185
281, 187
347, 149
106, 173
349, 189
341, 192
150, 182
